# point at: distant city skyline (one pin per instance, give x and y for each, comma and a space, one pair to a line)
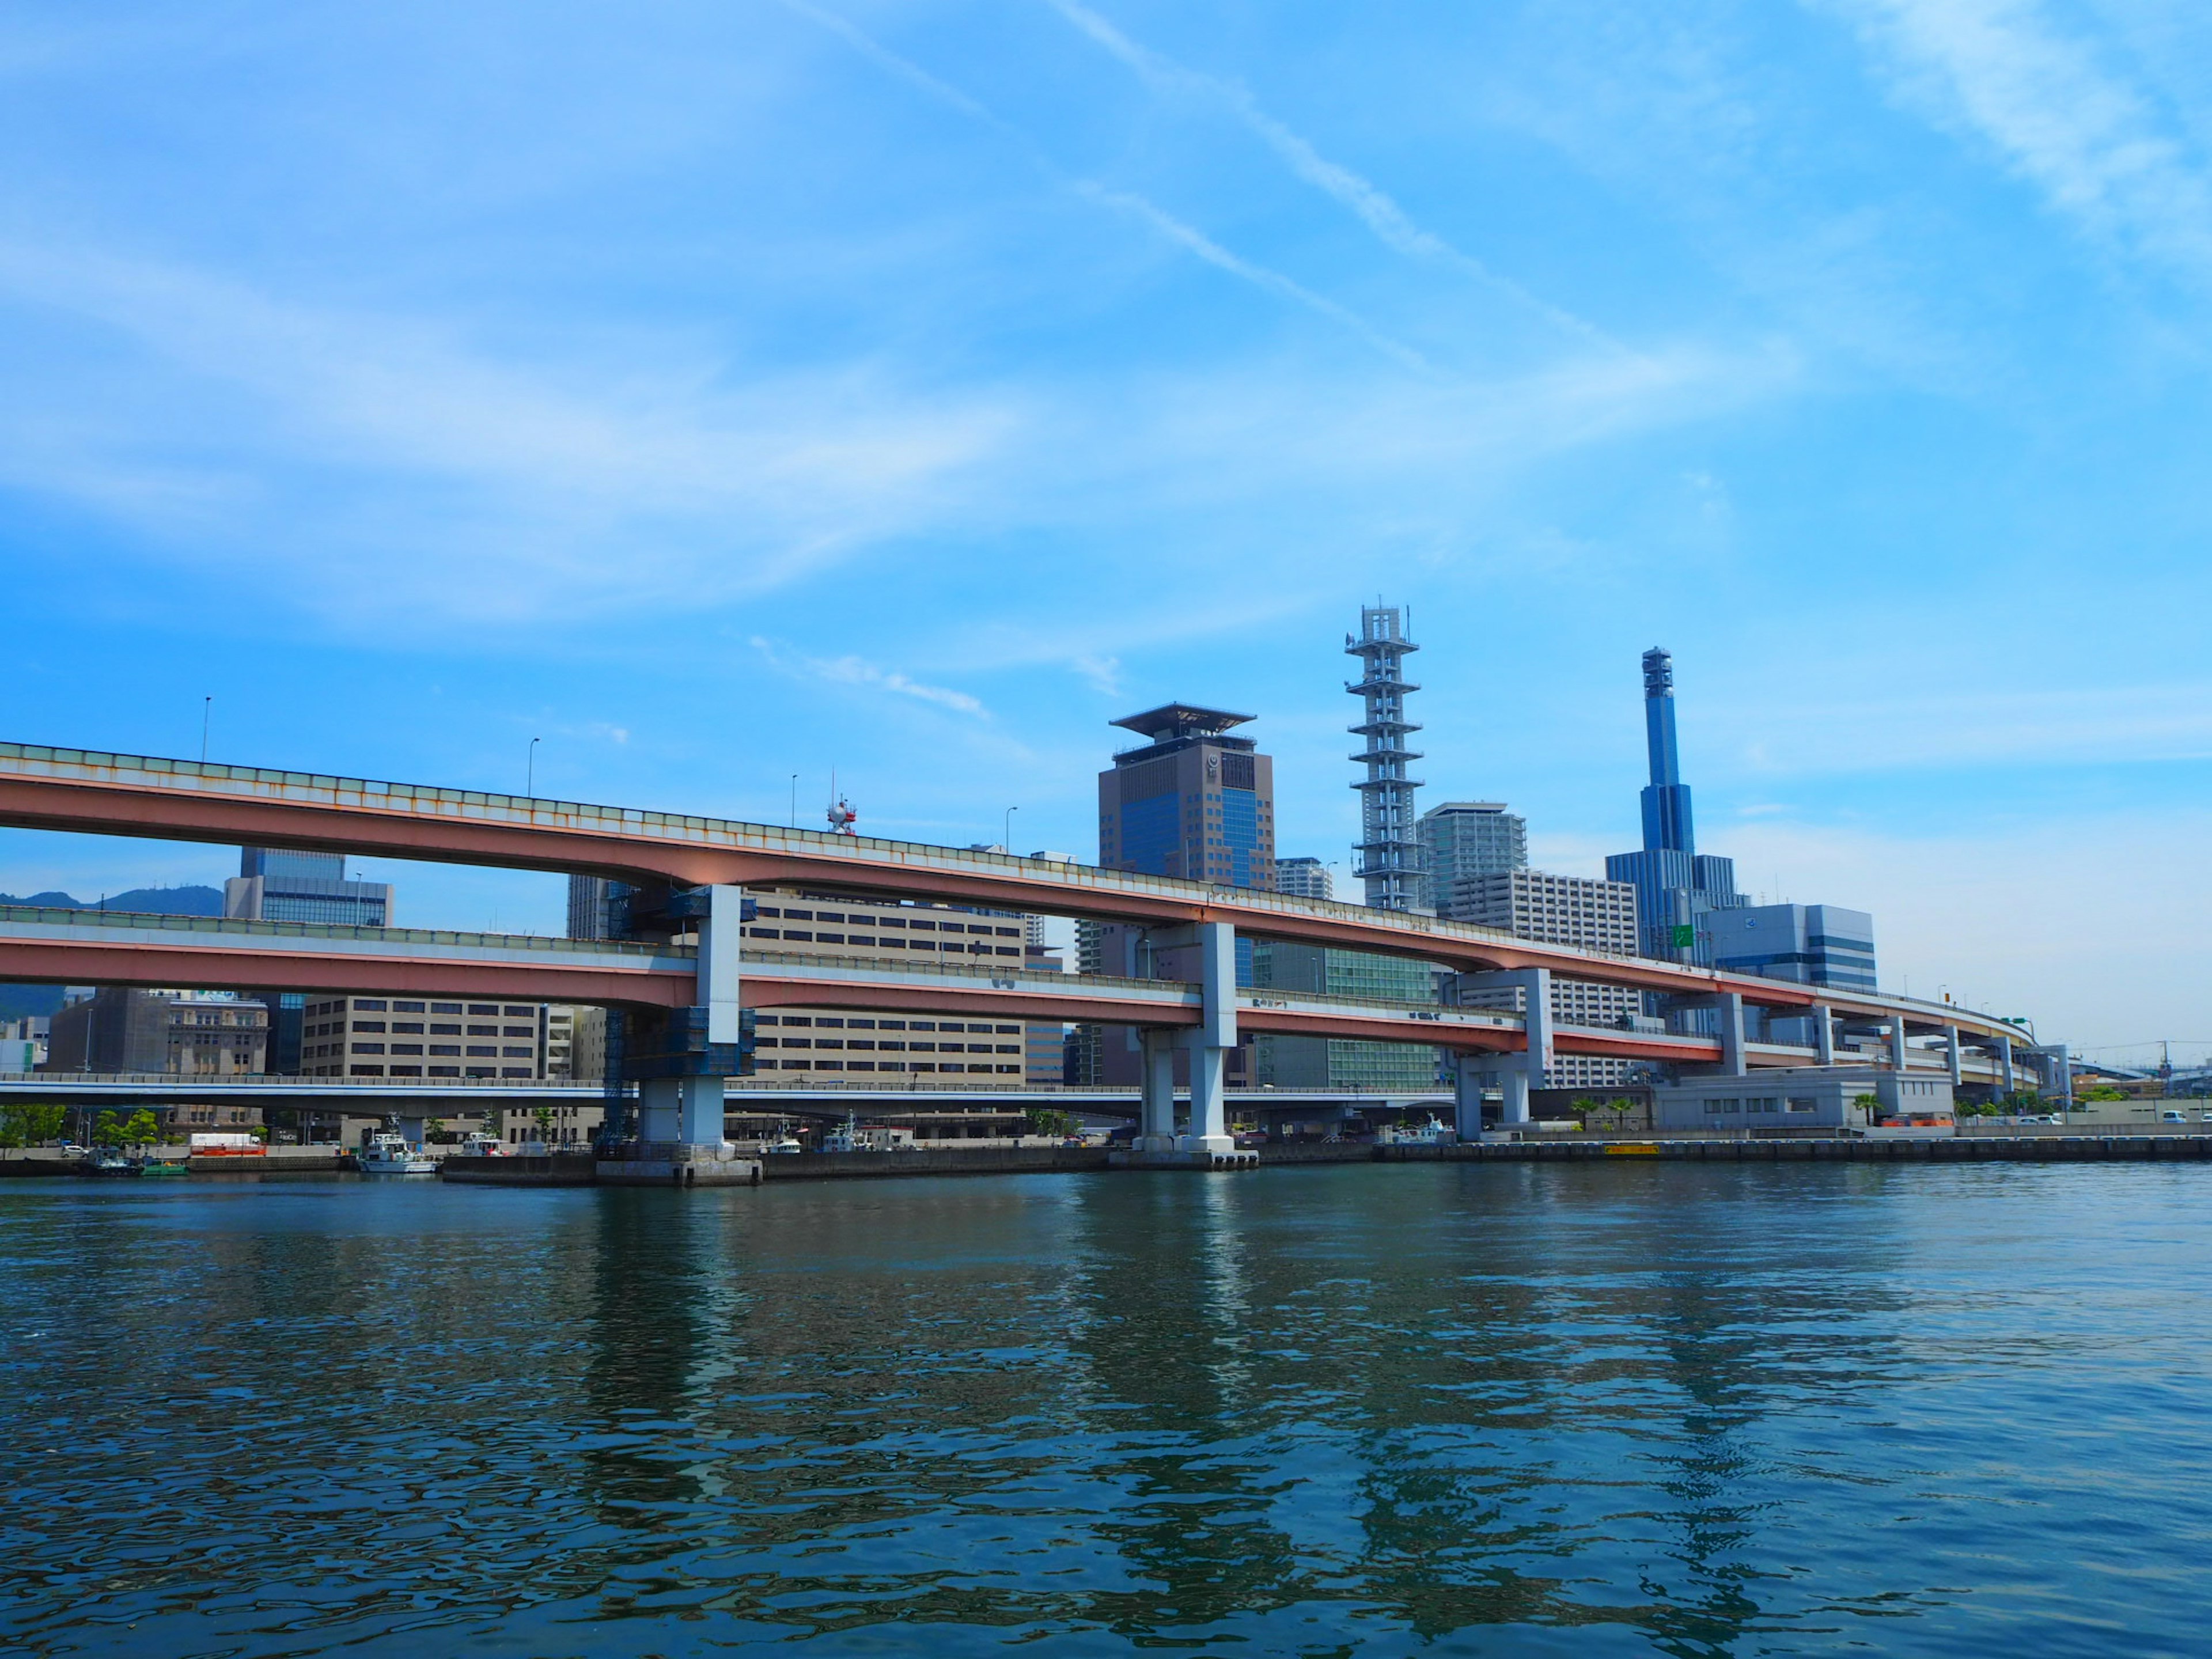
964, 377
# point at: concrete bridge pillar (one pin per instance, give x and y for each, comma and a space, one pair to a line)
1156, 1129
1210, 1044
1467, 1097
660, 1110
1514, 1085
2004, 1065
1824, 1036
1951, 1045
720, 971
1897, 1051
1730, 1005
1534, 985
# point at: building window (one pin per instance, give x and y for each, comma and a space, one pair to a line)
445, 1071
445, 1007
521, 1013
368, 1047
407, 1008
513, 1053
445, 1048
406, 1048
483, 1050
369, 1005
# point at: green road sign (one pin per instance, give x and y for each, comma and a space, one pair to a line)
1684, 937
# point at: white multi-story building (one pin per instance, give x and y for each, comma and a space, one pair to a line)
1303, 879
1463, 839
1591, 915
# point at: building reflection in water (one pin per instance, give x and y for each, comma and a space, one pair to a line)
1316, 1409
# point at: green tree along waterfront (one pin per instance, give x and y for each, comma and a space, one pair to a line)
1621, 1407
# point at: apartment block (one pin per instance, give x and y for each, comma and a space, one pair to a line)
1591, 915
424, 1037
833, 1046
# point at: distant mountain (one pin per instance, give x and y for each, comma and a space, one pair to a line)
149, 901
17, 1000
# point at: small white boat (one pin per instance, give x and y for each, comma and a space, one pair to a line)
781, 1141
1434, 1132
389, 1153
478, 1144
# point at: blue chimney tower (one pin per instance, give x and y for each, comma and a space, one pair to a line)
1667, 825
1676, 887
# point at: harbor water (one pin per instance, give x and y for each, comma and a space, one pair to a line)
1613, 1409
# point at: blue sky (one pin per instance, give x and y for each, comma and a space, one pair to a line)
723, 391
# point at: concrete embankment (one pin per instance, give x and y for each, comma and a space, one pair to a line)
932, 1160
2040, 1148
554, 1169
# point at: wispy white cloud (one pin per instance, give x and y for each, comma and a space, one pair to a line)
1184, 235
1196, 242
1367, 201
857, 670
536, 467
2059, 109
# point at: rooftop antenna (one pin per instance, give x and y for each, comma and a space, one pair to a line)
207, 716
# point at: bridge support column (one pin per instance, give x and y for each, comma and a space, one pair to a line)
1897, 1051
1156, 1120
2004, 1065
1534, 985
1514, 1085
699, 1111
1951, 1045
720, 970
660, 1110
1730, 1004
1467, 1097
1211, 1042
1824, 1036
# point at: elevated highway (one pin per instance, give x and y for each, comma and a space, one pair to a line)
44, 946
98, 793
101, 793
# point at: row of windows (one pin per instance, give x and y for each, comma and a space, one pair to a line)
476, 1050
863, 1042
439, 1071
887, 922
1761, 1103
380, 1005
413, 1028
863, 939
880, 1065
831, 1020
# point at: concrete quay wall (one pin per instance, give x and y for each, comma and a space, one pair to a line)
941, 1160
2039, 1149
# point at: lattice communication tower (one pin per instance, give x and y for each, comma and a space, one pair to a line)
1389, 855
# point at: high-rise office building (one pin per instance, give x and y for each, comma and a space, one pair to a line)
1591, 915
592, 900
1677, 887
1389, 853
1809, 943
1463, 839
1193, 802
278, 885
1303, 879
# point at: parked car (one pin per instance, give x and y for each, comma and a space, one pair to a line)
2172, 1117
